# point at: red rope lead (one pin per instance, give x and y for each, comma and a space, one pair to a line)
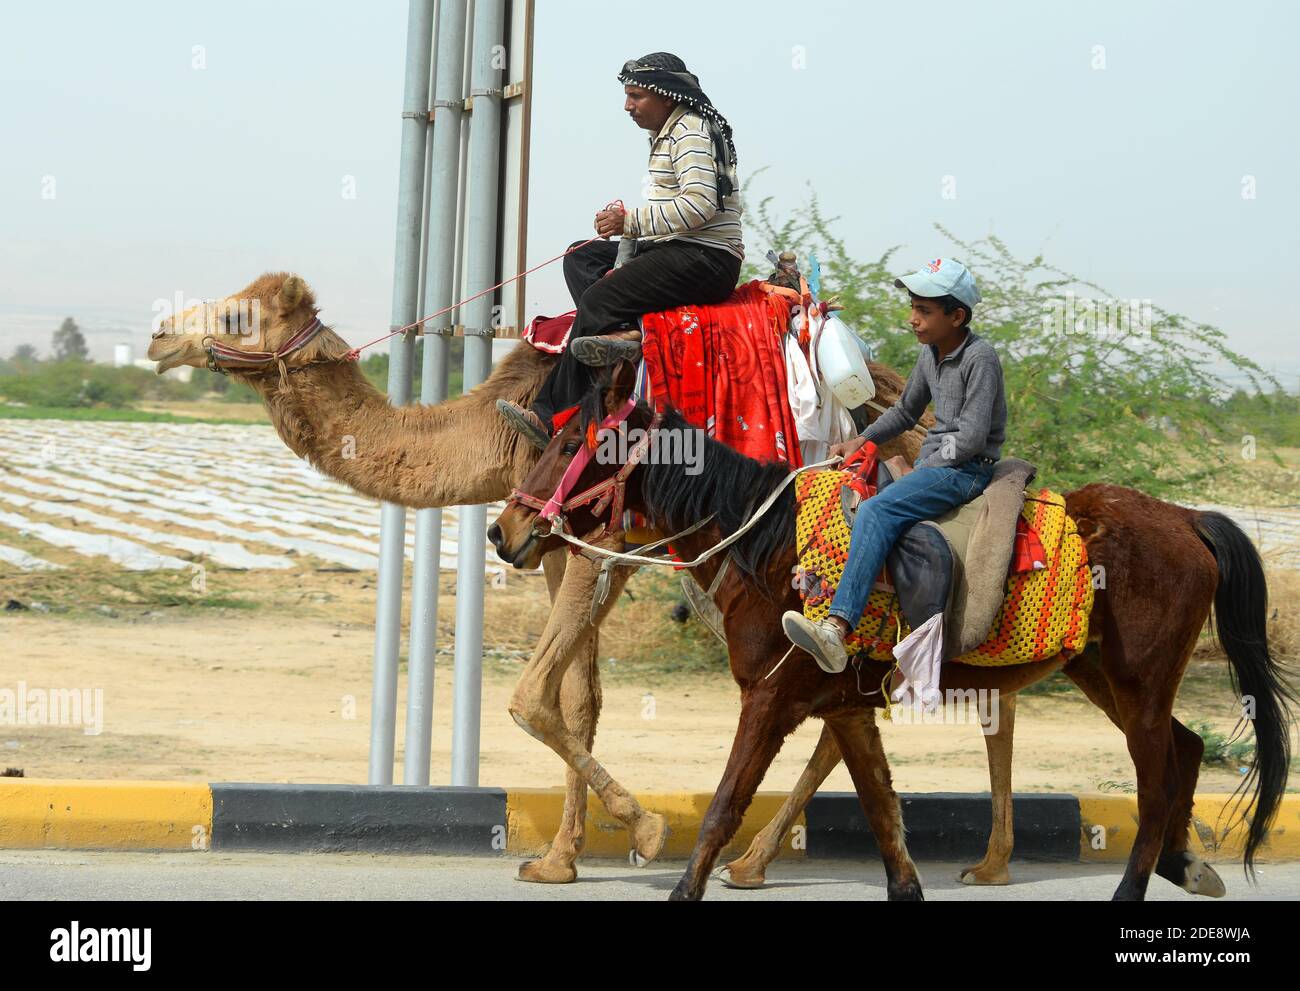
355, 353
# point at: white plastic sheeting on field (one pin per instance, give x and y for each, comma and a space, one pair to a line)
162, 495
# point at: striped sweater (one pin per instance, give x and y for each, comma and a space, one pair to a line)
683, 190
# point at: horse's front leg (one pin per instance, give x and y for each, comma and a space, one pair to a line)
750, 869
765, 720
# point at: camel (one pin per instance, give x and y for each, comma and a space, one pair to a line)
461, 452
1167, 568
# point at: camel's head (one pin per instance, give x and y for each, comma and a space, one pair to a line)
520, 534
260, 317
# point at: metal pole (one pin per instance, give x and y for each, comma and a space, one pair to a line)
440, 231
480, 271
392, 522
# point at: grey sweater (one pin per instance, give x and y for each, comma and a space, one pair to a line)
970, 405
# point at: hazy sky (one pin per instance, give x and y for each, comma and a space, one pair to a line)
169, 178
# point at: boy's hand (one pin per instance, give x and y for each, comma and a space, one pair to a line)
848, 448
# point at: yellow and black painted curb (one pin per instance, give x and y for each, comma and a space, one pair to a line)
110, 815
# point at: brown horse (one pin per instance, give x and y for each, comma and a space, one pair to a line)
1165, 567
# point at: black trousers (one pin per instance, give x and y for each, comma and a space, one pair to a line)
660, 276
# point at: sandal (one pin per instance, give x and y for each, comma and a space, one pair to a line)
519, 418
600, 352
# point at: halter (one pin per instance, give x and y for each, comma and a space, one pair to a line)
606, 494
221, 357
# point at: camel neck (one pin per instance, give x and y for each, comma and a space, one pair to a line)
455, 453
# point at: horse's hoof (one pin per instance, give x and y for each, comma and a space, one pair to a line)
909, 891
980, 875
1191, 873
1202, 879
545, 872
649, 839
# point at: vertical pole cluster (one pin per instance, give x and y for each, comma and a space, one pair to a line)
449, 211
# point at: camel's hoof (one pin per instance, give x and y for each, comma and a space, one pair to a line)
650, 837
981, 875
542, 872
736, 875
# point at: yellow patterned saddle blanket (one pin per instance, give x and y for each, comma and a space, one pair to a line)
1043, 611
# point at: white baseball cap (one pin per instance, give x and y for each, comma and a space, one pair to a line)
942, 277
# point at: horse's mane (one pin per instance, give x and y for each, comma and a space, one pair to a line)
729, 485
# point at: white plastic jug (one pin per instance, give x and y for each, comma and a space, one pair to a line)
841, 363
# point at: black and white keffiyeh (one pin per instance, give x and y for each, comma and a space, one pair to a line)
666, 74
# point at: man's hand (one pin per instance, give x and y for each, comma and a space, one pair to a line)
609, 223
848, 448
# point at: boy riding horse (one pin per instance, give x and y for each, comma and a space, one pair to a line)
961, 373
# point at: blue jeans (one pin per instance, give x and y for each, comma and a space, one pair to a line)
922, 495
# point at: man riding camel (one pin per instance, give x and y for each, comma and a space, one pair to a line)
687, 240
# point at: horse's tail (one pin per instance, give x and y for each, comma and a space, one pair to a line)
1241, 607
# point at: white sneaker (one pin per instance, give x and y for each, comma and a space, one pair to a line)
822, 640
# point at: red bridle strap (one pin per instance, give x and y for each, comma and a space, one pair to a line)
607, 493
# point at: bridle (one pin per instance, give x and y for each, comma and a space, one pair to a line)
608, 493
223, 359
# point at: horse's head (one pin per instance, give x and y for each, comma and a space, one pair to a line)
581, 477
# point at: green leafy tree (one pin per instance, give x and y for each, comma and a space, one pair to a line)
1098, 388
69, 344
24, 358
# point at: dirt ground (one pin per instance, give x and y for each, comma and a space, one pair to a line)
271, 683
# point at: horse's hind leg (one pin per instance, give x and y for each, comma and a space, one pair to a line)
750, 869
993, 868
1143, 683
1177, 864
859, 741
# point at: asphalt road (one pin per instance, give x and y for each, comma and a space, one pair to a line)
60, 875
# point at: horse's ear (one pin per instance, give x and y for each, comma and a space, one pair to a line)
622, 382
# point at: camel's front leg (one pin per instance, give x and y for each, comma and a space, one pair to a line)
537, 707
993, 868
750, 870
580, 702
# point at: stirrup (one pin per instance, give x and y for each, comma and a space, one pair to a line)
531, 432
599, 352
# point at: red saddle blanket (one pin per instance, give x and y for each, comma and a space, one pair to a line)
723, 367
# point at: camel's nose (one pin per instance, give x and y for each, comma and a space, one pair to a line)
495, 535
